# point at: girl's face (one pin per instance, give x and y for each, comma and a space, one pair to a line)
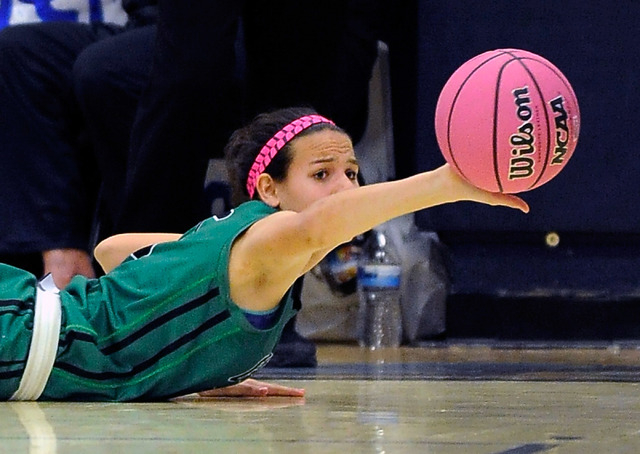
323, 163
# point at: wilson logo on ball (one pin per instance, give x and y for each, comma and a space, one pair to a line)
521, 164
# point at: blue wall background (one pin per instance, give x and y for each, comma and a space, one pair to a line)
594, 204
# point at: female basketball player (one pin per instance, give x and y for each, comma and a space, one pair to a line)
177, 314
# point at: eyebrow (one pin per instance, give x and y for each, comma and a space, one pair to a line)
331, 159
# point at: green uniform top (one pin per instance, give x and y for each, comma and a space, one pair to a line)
162, 323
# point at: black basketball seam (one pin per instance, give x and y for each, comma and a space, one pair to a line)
451, 109
560, 76
546, 113
495, 122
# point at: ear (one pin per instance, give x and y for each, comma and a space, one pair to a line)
267, 191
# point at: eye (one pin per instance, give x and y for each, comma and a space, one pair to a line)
352, 174
320, 175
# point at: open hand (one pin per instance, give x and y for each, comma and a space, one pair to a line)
461, 189
253, 388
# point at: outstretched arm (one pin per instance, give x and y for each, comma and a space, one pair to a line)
278, 249
113, 250
354, 212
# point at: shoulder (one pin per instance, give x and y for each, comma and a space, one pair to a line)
238, 218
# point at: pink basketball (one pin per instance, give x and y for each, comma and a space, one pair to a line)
507, 121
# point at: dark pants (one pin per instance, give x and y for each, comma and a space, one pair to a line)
319, 54
47, 183
109, 78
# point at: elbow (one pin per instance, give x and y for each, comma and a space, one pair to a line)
101, 251
104, 253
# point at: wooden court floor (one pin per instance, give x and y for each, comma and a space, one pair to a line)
435, 399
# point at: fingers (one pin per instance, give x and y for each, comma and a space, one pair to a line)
254, 388
516, 202
239, 390
278, 390
271, 389
460, 189
492, 198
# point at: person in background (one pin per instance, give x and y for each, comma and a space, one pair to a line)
48, 175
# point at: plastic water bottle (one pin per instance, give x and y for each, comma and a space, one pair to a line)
379, 313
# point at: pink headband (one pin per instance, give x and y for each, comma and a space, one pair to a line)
276, 143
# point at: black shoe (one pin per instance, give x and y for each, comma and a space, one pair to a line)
293, 350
